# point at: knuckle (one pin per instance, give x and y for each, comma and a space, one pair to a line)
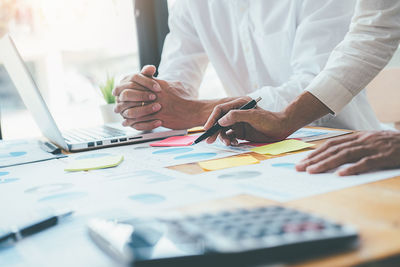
218, 108
129, 113
332, 150
135, 77
368, 161
330, 143
124, 95
233, 114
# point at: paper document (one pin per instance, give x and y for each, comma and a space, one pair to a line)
309, 134
277, 179
17, 152
282, 147
218, 164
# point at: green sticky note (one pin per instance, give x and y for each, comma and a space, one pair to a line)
94, 163
282, 147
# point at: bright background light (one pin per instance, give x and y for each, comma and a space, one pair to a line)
70, 47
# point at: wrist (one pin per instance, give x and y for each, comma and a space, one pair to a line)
202, 109
302, 111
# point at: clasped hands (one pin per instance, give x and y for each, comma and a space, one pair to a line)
146, 103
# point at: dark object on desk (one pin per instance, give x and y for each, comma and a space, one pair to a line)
49, 147
231, 238
7, 238
216, 127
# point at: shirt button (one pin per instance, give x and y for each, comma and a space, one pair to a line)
255, 86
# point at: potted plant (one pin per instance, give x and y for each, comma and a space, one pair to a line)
107, 109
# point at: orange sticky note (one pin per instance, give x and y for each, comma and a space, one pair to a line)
185, 140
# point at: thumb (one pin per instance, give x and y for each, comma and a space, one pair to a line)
148, 70
235, 116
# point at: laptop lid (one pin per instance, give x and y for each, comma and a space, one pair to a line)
29, 91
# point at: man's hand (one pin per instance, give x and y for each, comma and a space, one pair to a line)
255, 125
135, 97
147, 103
368, 150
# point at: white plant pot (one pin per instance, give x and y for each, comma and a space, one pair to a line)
108, 114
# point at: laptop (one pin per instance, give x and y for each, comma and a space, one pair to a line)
73, 140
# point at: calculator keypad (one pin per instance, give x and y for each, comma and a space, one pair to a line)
246, 229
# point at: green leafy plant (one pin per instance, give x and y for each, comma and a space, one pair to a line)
106, 90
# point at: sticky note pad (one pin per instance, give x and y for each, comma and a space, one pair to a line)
218, 164
282, 147
94, 163
185, 140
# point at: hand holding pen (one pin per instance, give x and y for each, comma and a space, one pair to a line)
226, 110
255, 125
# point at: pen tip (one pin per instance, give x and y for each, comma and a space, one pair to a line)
258, 99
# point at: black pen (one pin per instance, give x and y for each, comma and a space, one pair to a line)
216, 127
17, 234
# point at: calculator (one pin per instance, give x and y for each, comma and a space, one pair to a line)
241, 237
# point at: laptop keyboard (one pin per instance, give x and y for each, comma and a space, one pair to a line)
91, 134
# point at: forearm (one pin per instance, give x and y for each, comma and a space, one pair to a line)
305, 109
203, 109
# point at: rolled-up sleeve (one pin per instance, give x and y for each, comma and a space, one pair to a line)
321, 26
183, 58
366, 49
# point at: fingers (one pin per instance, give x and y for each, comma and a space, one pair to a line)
212, 138
140, 79
136, 95
348, 155
229, 138
330, 148
141, 111
224, 138
326, 154
129, 85
122, 106
146, 125
222, 109
332, 142
364, 165
235, 116
149, 70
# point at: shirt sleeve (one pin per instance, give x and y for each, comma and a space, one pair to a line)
321, 26
183, 58
366, 49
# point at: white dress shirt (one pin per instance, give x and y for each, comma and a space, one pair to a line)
272, 49
369, 45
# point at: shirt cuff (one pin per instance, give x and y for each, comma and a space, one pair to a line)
330, 92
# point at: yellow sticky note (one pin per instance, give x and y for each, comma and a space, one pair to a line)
197, 129
282, 147
218, 164
94, 163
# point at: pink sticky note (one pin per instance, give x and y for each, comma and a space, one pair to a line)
186, 140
